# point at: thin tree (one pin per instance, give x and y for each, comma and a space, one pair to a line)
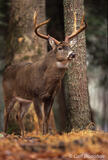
3, 29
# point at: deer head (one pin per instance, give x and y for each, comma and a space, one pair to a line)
63, 50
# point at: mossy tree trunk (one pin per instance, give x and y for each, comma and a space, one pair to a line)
78, 113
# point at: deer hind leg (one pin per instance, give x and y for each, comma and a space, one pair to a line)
23, 109
20, 116
8, 107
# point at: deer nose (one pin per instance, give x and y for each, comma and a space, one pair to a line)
71, 55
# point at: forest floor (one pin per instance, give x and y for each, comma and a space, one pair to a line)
75, 145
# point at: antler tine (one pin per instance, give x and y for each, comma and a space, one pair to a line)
75, 32
36, 27
83, 19
35, 18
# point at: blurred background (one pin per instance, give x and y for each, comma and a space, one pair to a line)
97, 54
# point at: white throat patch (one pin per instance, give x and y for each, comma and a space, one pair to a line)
69, 54
61, 65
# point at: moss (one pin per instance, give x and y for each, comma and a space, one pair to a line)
26, 57
13, 127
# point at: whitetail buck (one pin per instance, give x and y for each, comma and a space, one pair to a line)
38, 82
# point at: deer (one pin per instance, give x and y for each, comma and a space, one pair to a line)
38, 82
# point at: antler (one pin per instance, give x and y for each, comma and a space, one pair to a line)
75, 32
36, 27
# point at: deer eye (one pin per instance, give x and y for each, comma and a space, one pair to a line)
60, 48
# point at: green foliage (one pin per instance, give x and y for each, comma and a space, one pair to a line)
13, 127
26, 57
2, 13
96, 32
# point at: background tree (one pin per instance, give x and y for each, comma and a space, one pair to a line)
54, 10
97, 60
22, 44
78, 113
3, 28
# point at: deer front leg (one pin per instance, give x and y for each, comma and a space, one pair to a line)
47, 110
38, 106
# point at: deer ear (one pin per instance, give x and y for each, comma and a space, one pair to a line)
52, 42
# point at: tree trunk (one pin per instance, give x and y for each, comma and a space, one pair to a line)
22, 42
3, 29
2, 65
78, 113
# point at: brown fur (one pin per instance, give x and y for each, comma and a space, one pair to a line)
37, 82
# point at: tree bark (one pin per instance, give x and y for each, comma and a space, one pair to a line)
3, 29
23, 44
78, 113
